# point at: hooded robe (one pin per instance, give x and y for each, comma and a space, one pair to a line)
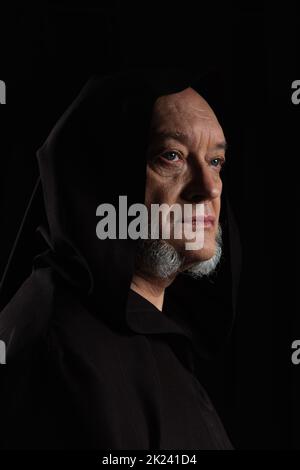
90, 364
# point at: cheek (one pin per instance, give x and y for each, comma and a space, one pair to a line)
217, 207
159, 190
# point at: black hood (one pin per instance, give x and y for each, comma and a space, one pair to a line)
97, 152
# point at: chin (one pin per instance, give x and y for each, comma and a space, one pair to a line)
204, 254
196, 256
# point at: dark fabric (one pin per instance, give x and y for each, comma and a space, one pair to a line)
79, 384
83, 371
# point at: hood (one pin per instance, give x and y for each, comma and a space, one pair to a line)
97, 152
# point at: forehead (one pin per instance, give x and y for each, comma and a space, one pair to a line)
184, 116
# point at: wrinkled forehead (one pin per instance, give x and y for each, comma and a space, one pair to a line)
185, 113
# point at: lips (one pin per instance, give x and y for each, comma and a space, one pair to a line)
207, 221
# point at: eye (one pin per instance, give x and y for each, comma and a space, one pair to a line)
171, 156
217, 162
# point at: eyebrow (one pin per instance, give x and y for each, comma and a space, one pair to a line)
221, 145
184, 138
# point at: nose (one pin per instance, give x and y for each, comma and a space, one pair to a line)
203, 184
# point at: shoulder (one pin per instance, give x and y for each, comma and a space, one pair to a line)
26, 315
46, 311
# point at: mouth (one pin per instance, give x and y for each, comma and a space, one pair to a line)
206, 222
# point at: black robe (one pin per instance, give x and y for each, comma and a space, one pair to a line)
91, 364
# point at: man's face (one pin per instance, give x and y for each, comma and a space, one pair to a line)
186, 153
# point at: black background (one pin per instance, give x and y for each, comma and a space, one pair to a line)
49, 50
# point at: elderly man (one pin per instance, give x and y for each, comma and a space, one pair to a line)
185, 158
104, 338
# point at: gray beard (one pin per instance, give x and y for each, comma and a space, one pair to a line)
158, 259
